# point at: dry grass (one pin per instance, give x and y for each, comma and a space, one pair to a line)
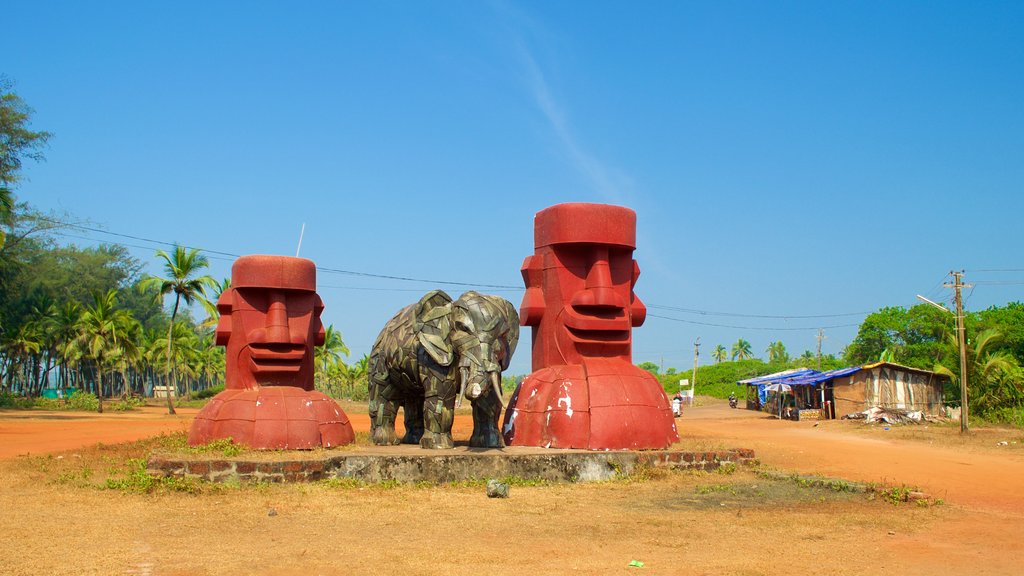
59, 519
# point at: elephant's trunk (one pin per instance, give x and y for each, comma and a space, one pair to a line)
496, 382
463, 378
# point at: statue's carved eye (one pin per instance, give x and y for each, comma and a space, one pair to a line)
463, 326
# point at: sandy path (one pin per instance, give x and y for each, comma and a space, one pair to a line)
977, 533
985, 479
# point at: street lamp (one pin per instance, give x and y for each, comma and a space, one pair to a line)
959, 316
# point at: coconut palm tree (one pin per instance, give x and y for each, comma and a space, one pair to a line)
102, 335
210, 304
65, 330
332, 349
719, 354
741, 350
180, 267
777, 352
994, 379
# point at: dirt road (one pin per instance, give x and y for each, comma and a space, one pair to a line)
992, 479
966, 474
592, 529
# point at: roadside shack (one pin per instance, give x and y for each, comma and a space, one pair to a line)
806, 394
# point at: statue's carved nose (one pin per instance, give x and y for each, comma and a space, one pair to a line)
277, 319
599, 290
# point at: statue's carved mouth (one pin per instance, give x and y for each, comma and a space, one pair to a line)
596, 324
277, 357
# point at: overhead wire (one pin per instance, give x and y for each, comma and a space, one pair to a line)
228, 256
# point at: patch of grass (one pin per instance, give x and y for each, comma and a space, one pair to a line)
178, 442
83, 401
126, 404
135, 479
715, 488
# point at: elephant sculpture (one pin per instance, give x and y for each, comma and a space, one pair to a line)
432, 354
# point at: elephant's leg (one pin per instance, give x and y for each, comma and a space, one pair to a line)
383, 409
413, 410
438, 417
486, 411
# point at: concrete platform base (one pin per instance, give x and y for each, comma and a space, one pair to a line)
412, 464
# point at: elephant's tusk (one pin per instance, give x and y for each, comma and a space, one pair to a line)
496, 382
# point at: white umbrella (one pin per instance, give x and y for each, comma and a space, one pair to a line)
779, 388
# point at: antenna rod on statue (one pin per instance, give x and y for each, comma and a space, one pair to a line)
301, 233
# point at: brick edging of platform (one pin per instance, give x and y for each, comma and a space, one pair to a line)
444, 467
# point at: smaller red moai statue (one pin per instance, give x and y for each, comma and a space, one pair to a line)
269, 323
584, 391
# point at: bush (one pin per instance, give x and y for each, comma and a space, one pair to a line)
208, 392
8, 400
126, 404
83, 401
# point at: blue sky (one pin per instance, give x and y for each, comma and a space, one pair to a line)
784, 159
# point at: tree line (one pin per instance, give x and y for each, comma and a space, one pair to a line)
921, 336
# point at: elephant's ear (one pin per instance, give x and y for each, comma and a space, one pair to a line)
511, 332
433, 326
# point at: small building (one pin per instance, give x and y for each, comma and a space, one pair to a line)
804, 393
886, 385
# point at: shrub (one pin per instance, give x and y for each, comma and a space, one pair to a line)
208, 392
125, 404
8, 400
83, 401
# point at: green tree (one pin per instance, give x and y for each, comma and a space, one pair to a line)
331, 351
994, 378
719, 354
914, 337
102, 336
181, 268
649, 366
777, 352
17, 143
741, 350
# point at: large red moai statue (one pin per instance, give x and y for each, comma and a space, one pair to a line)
269, 324
584, 391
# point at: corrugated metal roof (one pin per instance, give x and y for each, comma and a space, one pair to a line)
768, 378
900, 366
820, 377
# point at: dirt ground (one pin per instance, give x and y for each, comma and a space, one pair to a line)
53, 521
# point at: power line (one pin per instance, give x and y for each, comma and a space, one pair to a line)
228, 256
748, 327
996, 270
232, 255
770, 316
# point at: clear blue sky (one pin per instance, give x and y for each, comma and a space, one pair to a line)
784, 159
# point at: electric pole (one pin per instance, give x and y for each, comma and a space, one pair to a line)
696, 353
957, 285
821, 336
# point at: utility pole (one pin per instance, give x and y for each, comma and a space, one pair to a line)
696, 353
957, 285
821, 336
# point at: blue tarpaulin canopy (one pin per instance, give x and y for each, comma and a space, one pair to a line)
795, 377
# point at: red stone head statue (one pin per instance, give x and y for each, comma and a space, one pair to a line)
579, 284
270, 322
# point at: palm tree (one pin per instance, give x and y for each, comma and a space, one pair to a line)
332, 349
210, 304
180, 268
65, 329
102, 335
719, 354
993, 378
741, 350
777, 352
